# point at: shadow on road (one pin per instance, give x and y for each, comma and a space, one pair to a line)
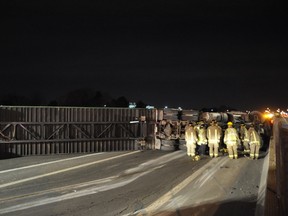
235, 208
8, 155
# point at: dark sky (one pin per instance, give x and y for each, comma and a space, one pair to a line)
193, 54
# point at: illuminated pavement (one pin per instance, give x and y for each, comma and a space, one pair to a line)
130, 183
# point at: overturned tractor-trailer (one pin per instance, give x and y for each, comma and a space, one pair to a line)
170, 127
52, 130
171, 124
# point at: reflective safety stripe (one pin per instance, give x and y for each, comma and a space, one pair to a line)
230, 156
254, 135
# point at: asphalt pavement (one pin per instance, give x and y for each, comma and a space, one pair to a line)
152, 182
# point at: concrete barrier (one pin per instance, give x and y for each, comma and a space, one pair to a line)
276, 200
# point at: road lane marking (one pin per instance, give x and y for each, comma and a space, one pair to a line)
77, 194
156, 162
152, 208
51, 162
65, 170
73, 187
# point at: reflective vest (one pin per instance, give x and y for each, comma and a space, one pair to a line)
202, 139
190, 135
244, 134
213, 134
231, 136
254, 137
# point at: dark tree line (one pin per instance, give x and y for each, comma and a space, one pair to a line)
84, 97
79, 97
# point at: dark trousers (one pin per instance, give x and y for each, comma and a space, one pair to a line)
202, 149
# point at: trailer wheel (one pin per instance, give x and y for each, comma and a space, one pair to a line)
182, 145
168, 145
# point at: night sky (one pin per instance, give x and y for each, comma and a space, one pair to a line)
192, 54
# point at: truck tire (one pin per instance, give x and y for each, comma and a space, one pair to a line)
168, 145
182, 145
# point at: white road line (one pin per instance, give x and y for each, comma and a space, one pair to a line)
77, 194
73, 187
51, 162
64, 170
169, 195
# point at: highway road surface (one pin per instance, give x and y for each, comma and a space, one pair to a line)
152, 182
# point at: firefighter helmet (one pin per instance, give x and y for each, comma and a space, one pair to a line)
229, 123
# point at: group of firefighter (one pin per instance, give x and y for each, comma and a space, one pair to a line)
198, 137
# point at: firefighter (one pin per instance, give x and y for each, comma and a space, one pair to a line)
244, 138
231, 140
219, 128
191, 139
197, 126
254, 142
213, 136
222, 147
202, 139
